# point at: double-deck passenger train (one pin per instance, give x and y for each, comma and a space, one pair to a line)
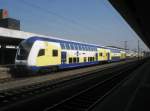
39, 53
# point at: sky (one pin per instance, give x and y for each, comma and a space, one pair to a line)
91, 21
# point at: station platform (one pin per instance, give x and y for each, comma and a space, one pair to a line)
133, 95
4, 71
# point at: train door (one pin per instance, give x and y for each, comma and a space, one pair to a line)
108, 56
96, 56
63, 57
100, 54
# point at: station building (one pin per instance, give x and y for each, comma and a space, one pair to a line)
10, 37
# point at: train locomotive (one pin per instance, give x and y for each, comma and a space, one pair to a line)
37, 54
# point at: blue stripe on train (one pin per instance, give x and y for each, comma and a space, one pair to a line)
113, 59
63, 66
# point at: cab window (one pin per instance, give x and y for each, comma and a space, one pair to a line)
41, 52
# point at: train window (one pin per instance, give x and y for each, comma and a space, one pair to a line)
41, 52
70, 60
85, 48
67, 46
74, 60
62, 45
71, 46
100, 54
80, 48
75, 46
84, 59
89, 48
77, 59
93, 59
90, 59
95, 49
55, 53
92, 48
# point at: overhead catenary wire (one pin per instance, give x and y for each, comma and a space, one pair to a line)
61, 17
46, 18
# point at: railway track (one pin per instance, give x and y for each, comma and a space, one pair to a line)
4, 80
21, 98
88, 98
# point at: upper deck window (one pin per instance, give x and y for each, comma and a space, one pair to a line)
63, 45
67, 46
80, 48
76, 47
72, 46
84, 48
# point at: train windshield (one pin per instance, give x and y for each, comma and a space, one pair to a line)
23, 50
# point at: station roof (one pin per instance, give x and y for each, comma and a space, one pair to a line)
13, 37
136, 13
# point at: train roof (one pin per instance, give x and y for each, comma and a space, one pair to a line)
52, 39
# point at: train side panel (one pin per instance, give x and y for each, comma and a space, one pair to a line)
50, 55
103, 54
115, 55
